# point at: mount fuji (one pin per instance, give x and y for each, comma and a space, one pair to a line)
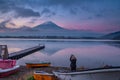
49, 25
47, 29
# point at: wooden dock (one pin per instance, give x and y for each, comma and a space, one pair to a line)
25, 52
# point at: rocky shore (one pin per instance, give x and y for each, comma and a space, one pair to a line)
24, 73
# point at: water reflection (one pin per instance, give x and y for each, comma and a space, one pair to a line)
89, 56
113, 43
12, 49
88, 53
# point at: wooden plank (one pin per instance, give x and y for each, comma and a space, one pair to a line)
25, 52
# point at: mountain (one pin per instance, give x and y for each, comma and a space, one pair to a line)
114, 35
24, 28
49, 25
51, 30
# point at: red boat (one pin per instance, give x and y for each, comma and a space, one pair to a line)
9, 71
8, 67
5, 64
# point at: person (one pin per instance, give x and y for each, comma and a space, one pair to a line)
73, 62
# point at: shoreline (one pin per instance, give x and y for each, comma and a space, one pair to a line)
24, 73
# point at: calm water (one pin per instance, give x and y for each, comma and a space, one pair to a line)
88, 53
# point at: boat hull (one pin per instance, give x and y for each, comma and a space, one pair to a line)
8, 63
40, 75
7, 72
104, 74
33, 65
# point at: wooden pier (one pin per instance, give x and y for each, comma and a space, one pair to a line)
25, 52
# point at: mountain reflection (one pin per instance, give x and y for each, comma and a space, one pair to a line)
88, 53
113, 43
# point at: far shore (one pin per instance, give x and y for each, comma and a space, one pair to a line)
60, 39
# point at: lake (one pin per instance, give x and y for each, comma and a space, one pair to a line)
89, 53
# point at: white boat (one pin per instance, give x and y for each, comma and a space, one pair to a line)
91, 74
41, 75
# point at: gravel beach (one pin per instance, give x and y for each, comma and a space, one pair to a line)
24, 73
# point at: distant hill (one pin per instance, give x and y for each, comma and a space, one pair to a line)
24, 28
114, 35
48, 30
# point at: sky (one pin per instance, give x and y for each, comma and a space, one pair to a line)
92, 15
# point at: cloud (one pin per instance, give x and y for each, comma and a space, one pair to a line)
73, 11
47, 12
3, 24
12, 24
84, 10
32, 21
5, 6
46, 2
72, 6
10, 5
64, 2
9, 10
23, 12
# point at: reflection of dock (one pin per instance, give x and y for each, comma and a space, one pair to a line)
22, 53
